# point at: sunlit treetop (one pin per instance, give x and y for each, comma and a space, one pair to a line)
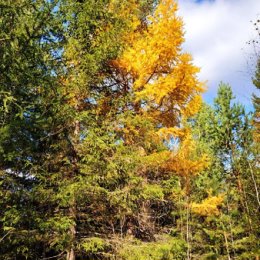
163, 77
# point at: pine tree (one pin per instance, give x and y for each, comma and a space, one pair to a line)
224, 191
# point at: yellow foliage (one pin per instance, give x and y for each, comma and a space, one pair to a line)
208, 207
185, 161
162, 75
166, 133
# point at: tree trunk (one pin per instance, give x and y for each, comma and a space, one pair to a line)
226, 243
255, 184
188, 229
73, 209
71, 254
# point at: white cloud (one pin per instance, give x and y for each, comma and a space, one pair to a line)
216, 36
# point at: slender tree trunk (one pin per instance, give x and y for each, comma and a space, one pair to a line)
181, 210
226, 243
255, 184
71, 255
247, 211
71, 252
243, 198
230, 228
188, 229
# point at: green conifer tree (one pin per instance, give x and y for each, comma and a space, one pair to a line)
224, 130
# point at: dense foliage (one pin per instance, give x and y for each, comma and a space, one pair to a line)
105, 149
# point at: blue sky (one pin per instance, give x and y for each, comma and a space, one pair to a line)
216, 32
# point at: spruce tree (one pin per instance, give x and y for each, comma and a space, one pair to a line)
29, 35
